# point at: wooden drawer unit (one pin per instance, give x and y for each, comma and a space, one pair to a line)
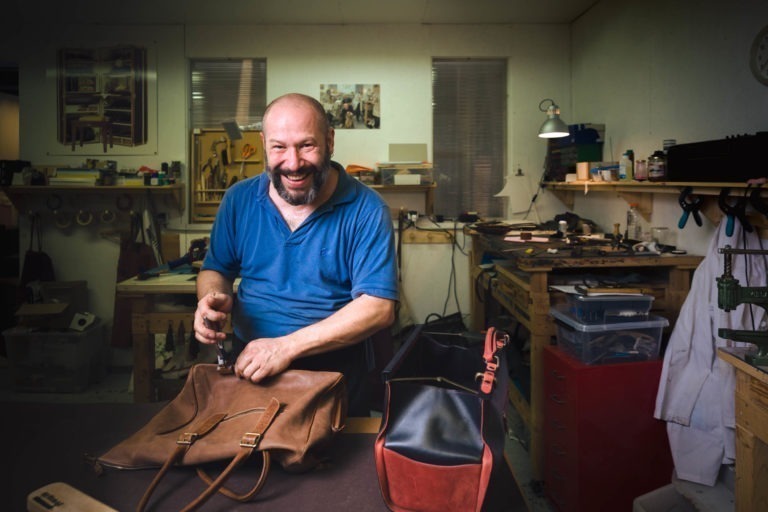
751, 430
603, 446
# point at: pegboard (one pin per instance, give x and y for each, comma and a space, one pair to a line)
217, 163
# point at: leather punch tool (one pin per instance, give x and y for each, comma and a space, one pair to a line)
225, 365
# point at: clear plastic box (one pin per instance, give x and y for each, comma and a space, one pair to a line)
609, 343
55, 361
602, 309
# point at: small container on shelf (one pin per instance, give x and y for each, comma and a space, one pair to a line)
601, 309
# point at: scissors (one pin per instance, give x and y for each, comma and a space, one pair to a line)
247, 152
689, 204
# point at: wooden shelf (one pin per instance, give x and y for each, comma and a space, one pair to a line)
427, 190
23, 196
642, 193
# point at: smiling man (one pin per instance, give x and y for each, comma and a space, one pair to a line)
315, 252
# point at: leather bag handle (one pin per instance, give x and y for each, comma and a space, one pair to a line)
494, 341
248, 443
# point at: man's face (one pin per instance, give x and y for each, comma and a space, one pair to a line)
297, 152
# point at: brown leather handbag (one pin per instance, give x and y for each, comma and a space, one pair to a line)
290, 418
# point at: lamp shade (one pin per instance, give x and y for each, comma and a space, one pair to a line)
553, 127
516, 189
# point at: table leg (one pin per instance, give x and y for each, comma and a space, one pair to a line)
143, 350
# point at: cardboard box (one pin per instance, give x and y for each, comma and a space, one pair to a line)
61, 300
407, 179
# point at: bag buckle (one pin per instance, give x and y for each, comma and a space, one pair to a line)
187, 438
250, 440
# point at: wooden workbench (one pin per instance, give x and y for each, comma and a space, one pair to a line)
519, 285
149, 318
751, 431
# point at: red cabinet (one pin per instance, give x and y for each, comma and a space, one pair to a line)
603, 447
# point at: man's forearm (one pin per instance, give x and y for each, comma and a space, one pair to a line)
211, 281
353, 323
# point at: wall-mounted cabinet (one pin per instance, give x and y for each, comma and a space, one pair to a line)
218, 162
102, 96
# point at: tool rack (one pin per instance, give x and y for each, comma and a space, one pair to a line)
216, 161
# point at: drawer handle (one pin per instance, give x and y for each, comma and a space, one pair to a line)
557, 399
558, 376
558, 425
557, 476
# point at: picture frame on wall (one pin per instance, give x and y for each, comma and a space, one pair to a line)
352, 106
105, 100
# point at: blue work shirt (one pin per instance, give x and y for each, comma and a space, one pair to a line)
290, 280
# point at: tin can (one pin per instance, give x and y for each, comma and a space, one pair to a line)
657, 166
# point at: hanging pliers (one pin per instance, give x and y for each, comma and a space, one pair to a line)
736, 210
690, 204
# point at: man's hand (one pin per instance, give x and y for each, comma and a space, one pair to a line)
210, 317
262, 358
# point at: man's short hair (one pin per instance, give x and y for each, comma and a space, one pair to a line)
309, 101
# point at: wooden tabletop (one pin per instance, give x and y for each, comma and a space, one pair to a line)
735, 356
163, 283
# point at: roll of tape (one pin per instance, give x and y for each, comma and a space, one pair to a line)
107, 217
84, 217
62, 219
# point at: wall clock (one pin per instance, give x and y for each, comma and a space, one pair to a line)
758, 56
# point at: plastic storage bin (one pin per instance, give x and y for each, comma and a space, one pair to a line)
603, 309
54, 361
609, 343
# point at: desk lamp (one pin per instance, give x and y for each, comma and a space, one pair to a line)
553, 127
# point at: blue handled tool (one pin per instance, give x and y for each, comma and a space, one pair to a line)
690, 204
734, 211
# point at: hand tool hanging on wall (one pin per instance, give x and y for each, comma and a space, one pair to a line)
690, 205
247, 152
735, 210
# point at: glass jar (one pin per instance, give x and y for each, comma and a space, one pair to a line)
641, 170
657, 166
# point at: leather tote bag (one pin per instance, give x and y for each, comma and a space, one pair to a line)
443, 427
290, 418
37, 265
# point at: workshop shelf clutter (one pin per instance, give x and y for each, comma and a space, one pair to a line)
56, 346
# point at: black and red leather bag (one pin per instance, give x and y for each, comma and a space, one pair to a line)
443, 428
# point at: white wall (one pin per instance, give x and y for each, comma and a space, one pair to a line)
653, 70
300, 58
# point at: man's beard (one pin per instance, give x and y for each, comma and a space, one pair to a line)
319, 177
